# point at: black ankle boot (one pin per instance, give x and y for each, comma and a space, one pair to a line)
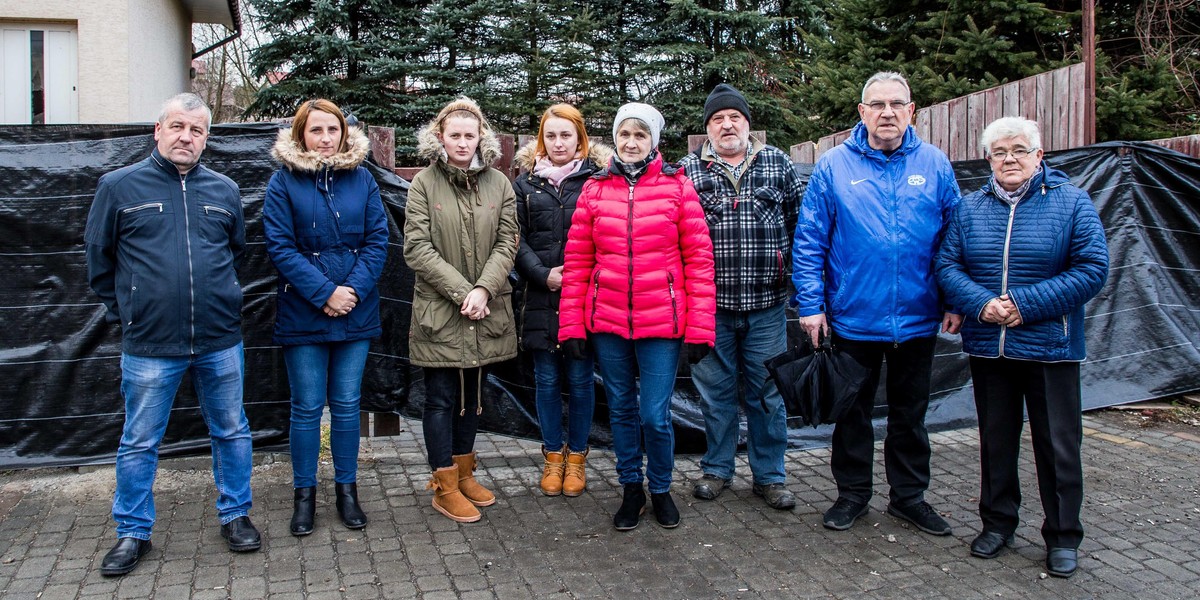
304, 509
347, 506
633, 504
664, 510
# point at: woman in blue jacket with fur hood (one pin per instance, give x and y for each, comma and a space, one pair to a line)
327, 236
1019, 260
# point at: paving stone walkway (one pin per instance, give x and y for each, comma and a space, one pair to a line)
1142, 508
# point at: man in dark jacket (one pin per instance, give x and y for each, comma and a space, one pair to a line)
164, 238
873, 215
750, 193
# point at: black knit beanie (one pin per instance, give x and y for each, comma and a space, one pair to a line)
722, 97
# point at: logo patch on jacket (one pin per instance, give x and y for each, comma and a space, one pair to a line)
916, 180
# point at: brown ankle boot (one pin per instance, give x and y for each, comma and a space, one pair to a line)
552, 474
448, 500
576, 478
477, 494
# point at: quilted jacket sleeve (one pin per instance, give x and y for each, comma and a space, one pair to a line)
962, 293
1084, 275
698, 269
578, 261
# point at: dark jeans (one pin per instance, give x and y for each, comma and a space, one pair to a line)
906, 447
450, 419
1050, 391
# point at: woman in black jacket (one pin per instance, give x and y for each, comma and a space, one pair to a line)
555, 168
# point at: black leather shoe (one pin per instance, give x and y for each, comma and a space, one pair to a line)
347, 506
1062, 562
633, 504
304, 511
241, 535
709, 487
923, 516
664, 510
842, 515
990, 544
124, 556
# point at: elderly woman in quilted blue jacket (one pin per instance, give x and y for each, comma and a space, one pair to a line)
1020, 259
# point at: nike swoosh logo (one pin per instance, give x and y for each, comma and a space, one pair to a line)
858, 181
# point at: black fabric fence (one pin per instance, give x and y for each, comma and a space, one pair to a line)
60, 401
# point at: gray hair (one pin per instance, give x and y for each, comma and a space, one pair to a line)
1011, 127
636, 122
187, 102
883, 76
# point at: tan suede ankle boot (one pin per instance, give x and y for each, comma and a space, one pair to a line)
477, 494
575, 479
552, 473
447, 498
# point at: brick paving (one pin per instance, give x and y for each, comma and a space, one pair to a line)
1142, 506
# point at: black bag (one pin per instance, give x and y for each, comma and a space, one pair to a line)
817, 384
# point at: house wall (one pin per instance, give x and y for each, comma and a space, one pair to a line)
133, 54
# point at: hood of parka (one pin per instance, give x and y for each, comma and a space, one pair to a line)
295, 158
429, 147
526, 157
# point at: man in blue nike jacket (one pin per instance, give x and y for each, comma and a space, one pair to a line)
870, 224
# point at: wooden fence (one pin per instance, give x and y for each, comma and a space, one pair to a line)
1188, 144
1055, 99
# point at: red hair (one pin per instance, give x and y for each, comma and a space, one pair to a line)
570, 113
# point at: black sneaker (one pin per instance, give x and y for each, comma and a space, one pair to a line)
842, 515
709, 487
776, 495
923, 516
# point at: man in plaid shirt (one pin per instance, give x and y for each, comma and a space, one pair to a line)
751, 194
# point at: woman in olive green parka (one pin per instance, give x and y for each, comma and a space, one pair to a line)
460, 238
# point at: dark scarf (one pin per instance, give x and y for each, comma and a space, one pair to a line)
633, 171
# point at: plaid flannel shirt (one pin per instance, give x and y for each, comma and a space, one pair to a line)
751, 219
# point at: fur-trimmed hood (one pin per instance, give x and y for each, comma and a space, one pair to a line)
429, 147
295, 158
526, 156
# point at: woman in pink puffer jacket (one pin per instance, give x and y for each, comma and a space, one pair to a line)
638, 282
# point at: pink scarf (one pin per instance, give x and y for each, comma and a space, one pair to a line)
555, 175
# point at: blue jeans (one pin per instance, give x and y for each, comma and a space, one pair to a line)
548, 373
637, 410
321, 373
744, 341
148, 384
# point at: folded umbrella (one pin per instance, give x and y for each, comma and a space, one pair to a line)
817, 384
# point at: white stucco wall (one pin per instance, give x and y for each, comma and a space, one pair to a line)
133, 54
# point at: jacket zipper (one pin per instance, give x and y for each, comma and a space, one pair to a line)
629, 246
187, 228
218, 209
674, 304
1012, 213
1064, 320
134, 209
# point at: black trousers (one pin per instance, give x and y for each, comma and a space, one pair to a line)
1050, 391
450, 417
906, 447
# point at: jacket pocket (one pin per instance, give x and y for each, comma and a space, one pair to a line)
674, 304
433, 317
216, 224
499, 322
595, 298
294, 314
133, 301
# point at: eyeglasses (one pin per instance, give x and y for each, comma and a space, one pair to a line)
895, 105
1016, 153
